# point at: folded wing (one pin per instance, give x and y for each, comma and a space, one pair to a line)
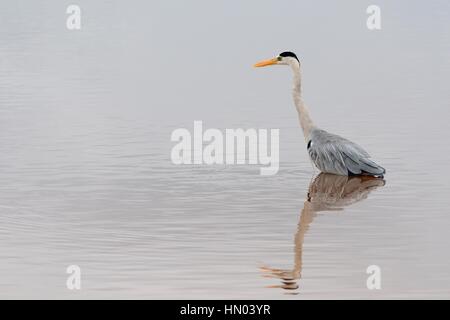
334, 154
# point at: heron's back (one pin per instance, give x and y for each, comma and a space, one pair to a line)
333, 154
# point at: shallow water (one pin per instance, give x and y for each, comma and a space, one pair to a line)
86, 176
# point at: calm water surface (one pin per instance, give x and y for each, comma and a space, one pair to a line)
86, 177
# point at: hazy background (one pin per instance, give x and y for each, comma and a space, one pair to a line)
85, 170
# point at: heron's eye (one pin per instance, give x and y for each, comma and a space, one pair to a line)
279, 58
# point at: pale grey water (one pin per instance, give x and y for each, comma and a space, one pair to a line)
85, 170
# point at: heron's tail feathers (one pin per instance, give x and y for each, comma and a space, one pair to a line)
369, 167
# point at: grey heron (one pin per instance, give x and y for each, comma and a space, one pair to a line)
329, 152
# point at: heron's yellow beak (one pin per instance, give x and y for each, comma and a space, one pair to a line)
266, 63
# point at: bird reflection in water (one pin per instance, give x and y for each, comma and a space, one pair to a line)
327, 192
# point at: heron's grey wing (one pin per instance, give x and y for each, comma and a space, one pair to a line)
334, 154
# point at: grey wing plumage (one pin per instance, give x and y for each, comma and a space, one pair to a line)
334, 154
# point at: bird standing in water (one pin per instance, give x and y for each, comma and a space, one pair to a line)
329, 152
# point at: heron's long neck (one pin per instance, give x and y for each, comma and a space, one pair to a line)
303, 113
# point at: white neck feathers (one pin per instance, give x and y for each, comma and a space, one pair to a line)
303, 113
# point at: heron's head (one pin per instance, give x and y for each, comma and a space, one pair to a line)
284, 58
